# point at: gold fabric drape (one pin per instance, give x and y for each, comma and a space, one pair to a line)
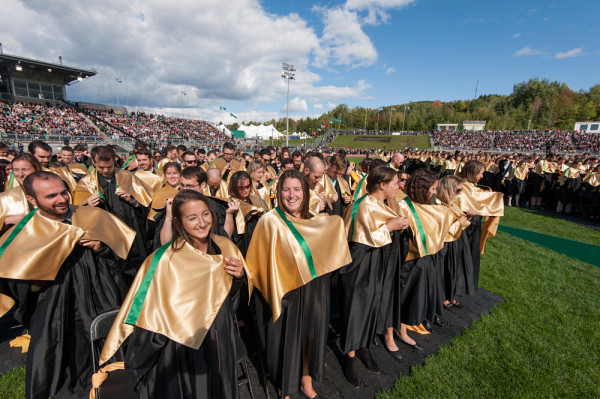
222, 191
183, 297
593, 179
484, 203
12, 203
370, 222
151, 180
38, 251
436, 221
159, 200
65, 174
277, 263
126, 181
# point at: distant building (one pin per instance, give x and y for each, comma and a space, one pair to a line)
446, 127
32, 81
474, 125
587, 127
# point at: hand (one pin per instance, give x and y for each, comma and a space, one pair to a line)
91, 244
267, 176
322, 202
463, 221
124, 196
234, 266
346, 198
94, 200
232, 207
471, 213
169, 209
131, 166
350, 168
334, 198
13, 219
399, 223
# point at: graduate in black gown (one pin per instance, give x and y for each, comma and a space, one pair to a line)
289, 262
119, 192
59, 269
178, 315
158, 211
369, 224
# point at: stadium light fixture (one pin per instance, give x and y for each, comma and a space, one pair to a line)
18, 67
288, 73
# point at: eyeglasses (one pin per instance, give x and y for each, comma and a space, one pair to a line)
248, 187
403, 179
189, 186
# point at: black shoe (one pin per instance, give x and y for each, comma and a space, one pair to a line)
427, 325
457, 305
437, 321
395, 354
448, 306
365, 356
414, 347
349, 370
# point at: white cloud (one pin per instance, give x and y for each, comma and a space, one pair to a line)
204, 48
382, 4
527, 51
343, 37
576, 52
517, 35
297, 105
331, 105
390, 70
318, 106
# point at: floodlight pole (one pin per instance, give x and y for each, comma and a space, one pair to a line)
404, 119
288, 74
390, 127
118, 80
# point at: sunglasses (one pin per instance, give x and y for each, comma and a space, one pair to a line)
403, 179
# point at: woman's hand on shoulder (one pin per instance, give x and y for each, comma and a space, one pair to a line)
234, 266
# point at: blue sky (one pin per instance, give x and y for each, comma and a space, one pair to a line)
357, 52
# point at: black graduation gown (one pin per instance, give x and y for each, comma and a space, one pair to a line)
458, 269
305, 313
59, 316
361, 289
473, 235
339, 206
162, 368
391, 304
132, 216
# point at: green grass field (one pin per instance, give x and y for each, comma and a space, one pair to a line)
544, 341
395, 142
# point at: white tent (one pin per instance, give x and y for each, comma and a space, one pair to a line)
261, 131
224, 130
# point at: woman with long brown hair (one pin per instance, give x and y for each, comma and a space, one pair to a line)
289, 261
178, 314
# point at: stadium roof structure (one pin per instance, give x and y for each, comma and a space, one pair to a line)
21, 65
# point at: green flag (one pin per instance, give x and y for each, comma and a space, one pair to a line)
222, 109
233, 115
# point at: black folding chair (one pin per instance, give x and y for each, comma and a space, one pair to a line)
118, 385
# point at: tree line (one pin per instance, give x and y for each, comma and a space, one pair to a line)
535, 104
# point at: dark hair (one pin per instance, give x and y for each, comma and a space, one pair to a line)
365, 164
38, 175
382, 174
3, 175
418, 185
29, 158
144, 151
35, 144
470, 171
171, 165
169, 148
235, 179
194, 172
79, 147
377, 163
296, 154
67, 148
286, 161
294, 174
188, 153
3, 146
181, 147
201, 151
338, 161
228, 146
102, 153
181, 198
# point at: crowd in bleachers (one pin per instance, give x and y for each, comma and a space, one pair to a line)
517, 140
151, 126
22, 118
